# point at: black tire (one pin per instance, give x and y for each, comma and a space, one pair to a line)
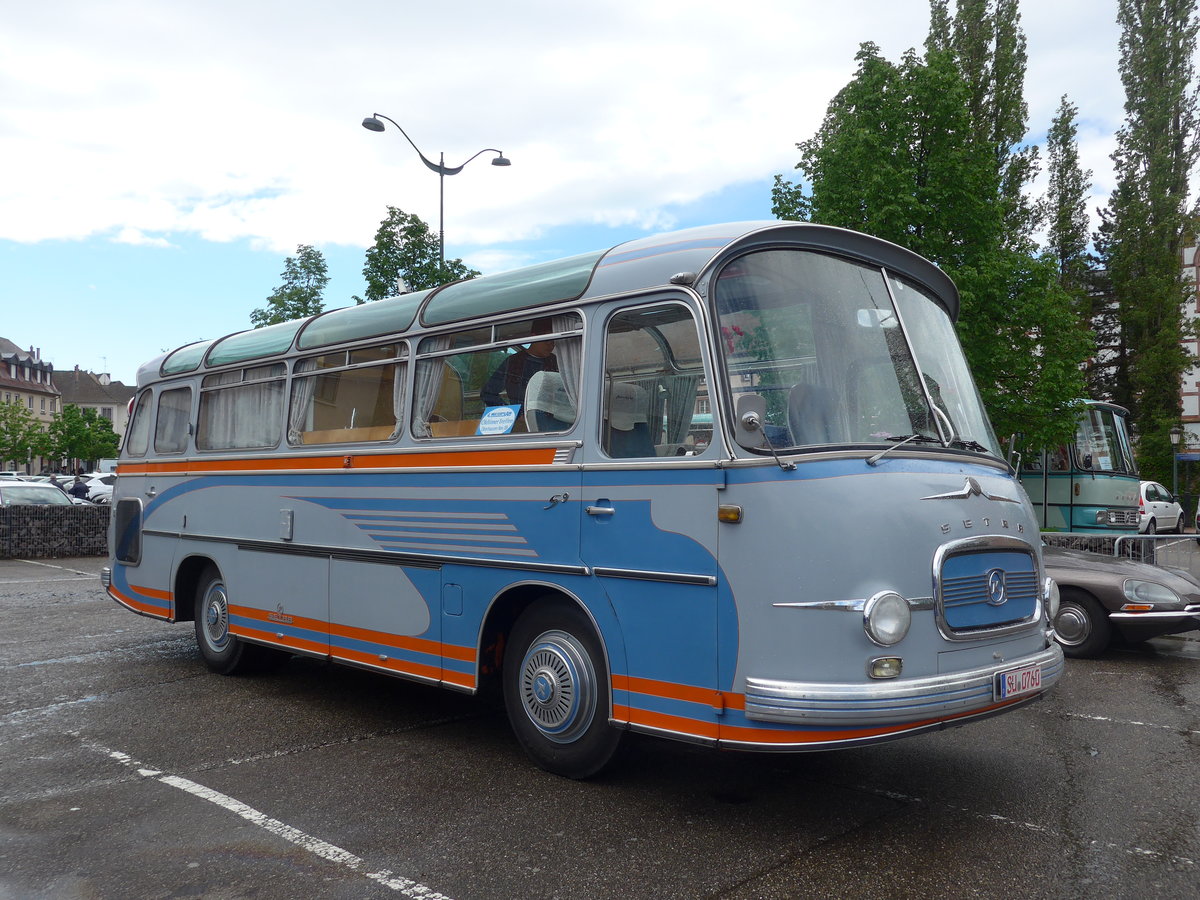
1151, 527
223, 652
1081, 626
556, 690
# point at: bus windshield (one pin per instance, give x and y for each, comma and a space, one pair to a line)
843, 353
1102, 442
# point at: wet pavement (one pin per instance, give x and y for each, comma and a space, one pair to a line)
127, 770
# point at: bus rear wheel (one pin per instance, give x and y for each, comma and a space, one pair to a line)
556, 690
223, 652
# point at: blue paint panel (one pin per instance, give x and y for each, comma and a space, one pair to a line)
292, 631
389, 650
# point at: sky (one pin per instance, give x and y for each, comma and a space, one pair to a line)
162, 160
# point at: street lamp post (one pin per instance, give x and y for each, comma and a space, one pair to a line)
372, 123
1176, 435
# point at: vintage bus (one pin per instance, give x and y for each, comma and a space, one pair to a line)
1090, 485
749, 498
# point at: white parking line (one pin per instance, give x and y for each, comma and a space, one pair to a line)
405, 886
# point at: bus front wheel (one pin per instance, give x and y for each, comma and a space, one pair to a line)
556, 690
223, 652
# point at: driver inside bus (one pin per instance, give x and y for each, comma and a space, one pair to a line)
507, 384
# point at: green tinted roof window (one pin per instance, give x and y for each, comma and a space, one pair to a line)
389, 316
563, 279
253, 344
185, 359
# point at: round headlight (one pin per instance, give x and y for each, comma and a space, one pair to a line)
1052, 597
886, 618
1150, 592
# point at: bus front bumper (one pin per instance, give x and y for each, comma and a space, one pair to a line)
898, 702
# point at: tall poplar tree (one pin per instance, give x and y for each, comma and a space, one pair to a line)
926, 154
1141, 232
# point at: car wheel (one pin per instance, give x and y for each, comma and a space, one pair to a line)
1081, 626
556, 690
1151, 527
224, 652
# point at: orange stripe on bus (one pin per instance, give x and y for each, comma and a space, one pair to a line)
155, 593
402, 642
398, 665
137, 606
280, 640
435, 459
670, 690
677, 724
265, 616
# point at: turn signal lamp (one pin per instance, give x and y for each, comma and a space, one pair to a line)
729, 513
885, 667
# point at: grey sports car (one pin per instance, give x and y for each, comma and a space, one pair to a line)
1103, 597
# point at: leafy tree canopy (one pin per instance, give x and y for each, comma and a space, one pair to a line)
21, 434
81, 434
406, 257
304, 280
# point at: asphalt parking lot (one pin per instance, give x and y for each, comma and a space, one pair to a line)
130, 771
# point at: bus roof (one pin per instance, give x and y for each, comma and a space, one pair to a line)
686, 257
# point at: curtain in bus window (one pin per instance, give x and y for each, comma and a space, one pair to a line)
301, 418
398, 397
569, 353
171, 429
248, 415
681, 403
429, 385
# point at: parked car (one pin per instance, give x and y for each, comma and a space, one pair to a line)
1158, 510
1102, 597
100, 487
28, 493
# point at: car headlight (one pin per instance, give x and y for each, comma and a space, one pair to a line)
1051, 596
886, 618
1150, 592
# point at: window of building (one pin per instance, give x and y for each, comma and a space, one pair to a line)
106, 412
348, 395
515, 378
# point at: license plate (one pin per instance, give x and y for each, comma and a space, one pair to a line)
1015, 682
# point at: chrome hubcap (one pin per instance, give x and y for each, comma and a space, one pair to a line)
216, 617
558, 686
1072, 625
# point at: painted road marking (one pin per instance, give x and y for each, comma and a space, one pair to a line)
325, 850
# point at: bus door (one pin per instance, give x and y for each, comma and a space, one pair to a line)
649, 518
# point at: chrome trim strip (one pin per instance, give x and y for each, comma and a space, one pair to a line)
916, 604
416, 560
889, 702
1158, 615
644, 575
982, 543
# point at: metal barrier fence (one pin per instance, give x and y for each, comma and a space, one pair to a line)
31, 532
1180, 551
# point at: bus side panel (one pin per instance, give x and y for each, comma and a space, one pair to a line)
147, 587
655, 557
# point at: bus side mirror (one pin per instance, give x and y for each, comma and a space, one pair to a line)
751, 413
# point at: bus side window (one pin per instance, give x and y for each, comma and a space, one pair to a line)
172, 427
654, 385
137, 439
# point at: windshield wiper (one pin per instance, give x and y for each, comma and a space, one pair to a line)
901, 440
968, 445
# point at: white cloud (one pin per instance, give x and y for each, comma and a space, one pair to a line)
240, 120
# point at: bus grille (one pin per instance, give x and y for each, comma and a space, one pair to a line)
980, 591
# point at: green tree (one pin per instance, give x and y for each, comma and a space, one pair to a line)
1142, 227
406, 257
81, 434
22, 436
304, 280
923, 155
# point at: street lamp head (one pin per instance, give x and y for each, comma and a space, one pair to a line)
372, 124
501, 160
1176, 434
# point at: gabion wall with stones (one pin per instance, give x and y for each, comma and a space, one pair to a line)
30, 532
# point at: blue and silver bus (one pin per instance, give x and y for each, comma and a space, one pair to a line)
1091, 484
732, 485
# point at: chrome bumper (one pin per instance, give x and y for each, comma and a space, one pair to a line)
899, 702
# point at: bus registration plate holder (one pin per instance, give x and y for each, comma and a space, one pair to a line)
1016, 682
